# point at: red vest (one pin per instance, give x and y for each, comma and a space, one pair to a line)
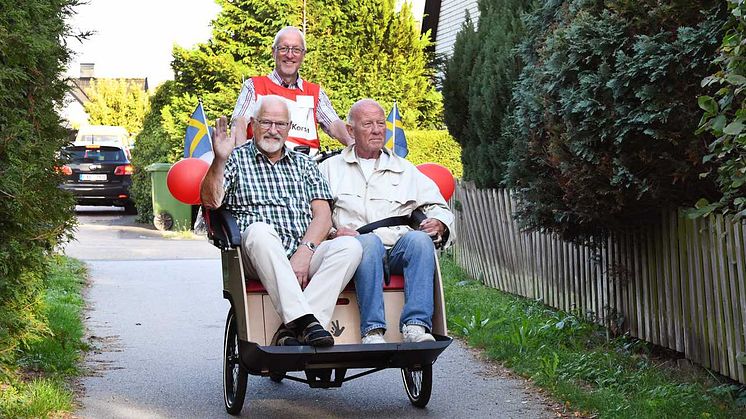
304, 123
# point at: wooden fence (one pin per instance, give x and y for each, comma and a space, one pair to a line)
680, 285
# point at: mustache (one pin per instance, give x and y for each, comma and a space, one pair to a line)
269, 136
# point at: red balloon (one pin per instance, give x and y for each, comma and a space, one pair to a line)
184, 179
441, 176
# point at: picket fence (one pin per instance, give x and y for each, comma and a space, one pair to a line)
680, 285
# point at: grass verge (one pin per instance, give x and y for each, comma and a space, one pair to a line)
573, 359
37, 386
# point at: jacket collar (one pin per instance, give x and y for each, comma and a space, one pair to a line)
394, 163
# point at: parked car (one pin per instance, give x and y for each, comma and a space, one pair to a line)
98, 175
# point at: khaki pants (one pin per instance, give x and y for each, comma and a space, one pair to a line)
332, 267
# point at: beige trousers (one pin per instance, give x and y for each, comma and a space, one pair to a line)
332, 267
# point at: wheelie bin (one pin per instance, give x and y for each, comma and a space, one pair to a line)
168, 212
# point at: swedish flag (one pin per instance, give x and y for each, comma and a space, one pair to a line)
197, 141
395, 139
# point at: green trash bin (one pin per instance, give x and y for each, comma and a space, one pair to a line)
168, 212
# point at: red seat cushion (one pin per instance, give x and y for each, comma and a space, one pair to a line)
396, 283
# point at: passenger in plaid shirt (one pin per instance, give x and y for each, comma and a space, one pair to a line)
282, 204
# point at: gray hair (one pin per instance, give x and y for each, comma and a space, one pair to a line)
360, 103
262, 101
285, 30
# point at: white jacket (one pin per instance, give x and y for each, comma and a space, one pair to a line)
396, 189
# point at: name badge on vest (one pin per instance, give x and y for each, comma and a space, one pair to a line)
304, 123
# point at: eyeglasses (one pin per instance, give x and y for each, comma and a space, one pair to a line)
286, 50
267, 124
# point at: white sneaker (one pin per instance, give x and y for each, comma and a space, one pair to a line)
414, 333
374, 336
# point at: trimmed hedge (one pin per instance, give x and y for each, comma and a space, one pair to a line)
35, 215
425, 146
604, 114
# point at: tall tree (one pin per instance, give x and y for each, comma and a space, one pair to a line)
117, 102
35, 215
477, 87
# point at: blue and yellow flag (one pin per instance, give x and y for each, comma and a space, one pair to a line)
395, 139
197, 141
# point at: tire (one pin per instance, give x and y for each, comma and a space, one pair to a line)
130, 209
418, 382
276, 377
235, 376
163, 221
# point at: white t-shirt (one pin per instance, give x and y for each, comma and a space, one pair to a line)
369, 166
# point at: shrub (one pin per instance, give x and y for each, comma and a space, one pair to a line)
603, 122
477, 87
153, 145
34, 214
425, 146
724, 117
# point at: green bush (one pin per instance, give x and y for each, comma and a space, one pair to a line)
425, 146
434, 146
153, 145
477, 87
35, 215
603, 120
724, 117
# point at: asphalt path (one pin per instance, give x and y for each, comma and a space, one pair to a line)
155, 323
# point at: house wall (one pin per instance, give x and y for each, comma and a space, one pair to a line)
452, 17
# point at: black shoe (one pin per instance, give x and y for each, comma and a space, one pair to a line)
285, 337
315, 335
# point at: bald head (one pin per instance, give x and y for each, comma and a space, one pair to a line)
366, 123
360, 105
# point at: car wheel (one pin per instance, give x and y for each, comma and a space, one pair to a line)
163, 221
130, 209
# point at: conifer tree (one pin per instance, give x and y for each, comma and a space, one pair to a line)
477, 87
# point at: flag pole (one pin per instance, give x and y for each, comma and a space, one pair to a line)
207, 123
393, 132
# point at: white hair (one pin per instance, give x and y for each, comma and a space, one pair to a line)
285, 30
361, 103
268, 100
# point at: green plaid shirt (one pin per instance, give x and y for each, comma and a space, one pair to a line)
278, 194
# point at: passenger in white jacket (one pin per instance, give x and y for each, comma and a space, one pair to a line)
370, 183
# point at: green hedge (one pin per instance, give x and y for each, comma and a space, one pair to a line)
725, 119
603, 117
35, 215
425, 146
153, 145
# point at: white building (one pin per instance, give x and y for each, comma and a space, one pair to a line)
444, 19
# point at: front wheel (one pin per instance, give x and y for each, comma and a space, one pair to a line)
235, 376
418, 382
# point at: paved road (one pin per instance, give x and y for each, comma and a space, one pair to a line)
155, 321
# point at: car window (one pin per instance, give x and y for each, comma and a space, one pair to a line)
98, 138
90, 155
